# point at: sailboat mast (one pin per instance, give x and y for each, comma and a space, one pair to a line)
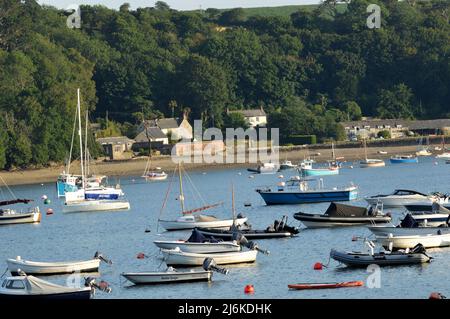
81, 139
86, 159
365, 149
71, 142
181, 188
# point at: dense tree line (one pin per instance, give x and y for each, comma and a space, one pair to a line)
309, 70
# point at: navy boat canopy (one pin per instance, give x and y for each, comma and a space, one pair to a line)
345, 210
198, 237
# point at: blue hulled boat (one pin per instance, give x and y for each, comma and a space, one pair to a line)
397, 159
297, 191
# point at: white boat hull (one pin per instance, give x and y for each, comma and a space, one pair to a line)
397, 201
372, 163
399, 231
403, 242
95, 206
175, 257
20, 218
200, 248
167, 277
179, 225
48, 268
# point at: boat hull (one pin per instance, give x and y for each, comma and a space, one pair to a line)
423, 206
404, 160
319, 221
319, 171
400, 231
95, 206
396, 201
76, 295
364, 260
178, 258
45, 268
167, 277
403, 242
180, 225
201, 248
372, 163
282, 198
305, 286
20, 218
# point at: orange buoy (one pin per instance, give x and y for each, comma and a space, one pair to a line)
354, 238
140, 256
249, 289
318, 266
49, 211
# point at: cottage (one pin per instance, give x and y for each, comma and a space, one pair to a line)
116, 148
175, 129
156, 136
254, 117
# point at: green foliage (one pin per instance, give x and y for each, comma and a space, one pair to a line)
235, 120
300, 140
308, 66
384, 134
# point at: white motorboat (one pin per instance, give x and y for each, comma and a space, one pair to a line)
172, 275
265, 168
287, 165
177, 257
409, 241
155, 176
95, 206
200, 248
401, 197
29, 287
444, 155
51, 268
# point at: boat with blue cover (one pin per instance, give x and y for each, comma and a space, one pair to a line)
298, 191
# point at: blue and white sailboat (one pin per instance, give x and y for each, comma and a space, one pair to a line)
298, 191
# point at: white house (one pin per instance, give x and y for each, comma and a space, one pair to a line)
254, 117
176, 129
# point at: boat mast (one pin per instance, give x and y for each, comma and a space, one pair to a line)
181, 188
365, 148
233, 206
71, 143
81, 139
86, 159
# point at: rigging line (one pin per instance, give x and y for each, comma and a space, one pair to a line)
195, 188
7, 187
71, 143
166, 196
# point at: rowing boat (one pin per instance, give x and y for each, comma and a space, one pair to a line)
345, 284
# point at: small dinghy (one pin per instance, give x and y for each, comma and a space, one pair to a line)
344, 215
172, 275
345, 284
29, 287
279, 229
175, 257
198, 243
51, 268
417, 255
190, 221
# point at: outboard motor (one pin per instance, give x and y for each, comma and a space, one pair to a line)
100, 256
102, 286
254, 246
418, 249
210, 264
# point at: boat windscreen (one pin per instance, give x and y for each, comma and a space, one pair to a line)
345, 210
407, 192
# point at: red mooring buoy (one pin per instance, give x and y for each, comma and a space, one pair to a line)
318, 266
436, 295
140, 256
249, 289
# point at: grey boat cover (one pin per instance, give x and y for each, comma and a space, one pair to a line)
36, 286
341, 210
437, 208
408, 222
198, 237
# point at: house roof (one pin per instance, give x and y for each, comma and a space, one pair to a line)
167, 123
152, 132
115, 140
250, 113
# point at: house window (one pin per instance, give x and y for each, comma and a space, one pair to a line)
117, 148
257, 119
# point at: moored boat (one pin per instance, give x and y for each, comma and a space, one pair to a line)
265, 168
437, 239
298, 191
95, 206
343, 215
328, 285
30, 287
285, 165
404, 159
51, 268
176, 257
11, 216
172, 275
190, 221
402, 197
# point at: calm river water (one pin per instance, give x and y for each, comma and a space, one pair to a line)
121, 236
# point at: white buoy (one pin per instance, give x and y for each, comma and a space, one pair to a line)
239, 173
351, 166
280, 176
44, 197
251, 176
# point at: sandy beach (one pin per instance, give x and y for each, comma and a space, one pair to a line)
136, 167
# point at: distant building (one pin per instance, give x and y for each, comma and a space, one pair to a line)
116, 148
368, 127
154, 134
254, 117
176, 129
